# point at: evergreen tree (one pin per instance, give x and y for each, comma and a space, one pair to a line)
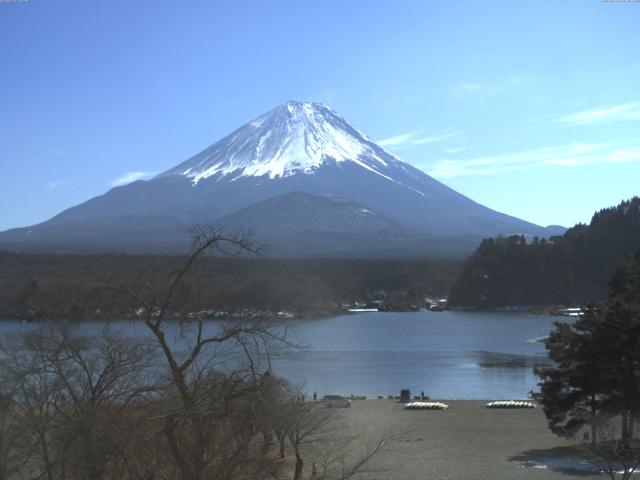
574, 388
596, 373
565, 270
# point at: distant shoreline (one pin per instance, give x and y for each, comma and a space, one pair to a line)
550, 310
243, 313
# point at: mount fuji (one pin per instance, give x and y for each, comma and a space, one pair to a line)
305, 180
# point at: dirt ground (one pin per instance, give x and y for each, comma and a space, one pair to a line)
467, 441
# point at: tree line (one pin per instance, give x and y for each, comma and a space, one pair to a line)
69, 286
564, 270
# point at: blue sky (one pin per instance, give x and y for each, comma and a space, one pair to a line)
531, 108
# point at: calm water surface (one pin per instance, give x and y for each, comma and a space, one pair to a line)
453, 355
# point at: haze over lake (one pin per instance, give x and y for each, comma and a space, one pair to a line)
461, 355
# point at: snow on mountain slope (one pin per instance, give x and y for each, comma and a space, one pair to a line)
293, 138
296, 147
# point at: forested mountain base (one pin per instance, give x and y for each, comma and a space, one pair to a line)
73, 286
565, 270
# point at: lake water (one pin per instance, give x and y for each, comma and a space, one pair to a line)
452, 355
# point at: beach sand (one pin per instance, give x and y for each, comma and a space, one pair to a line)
467, 441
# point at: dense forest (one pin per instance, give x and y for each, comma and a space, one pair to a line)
563, 270
503, 272
74, 286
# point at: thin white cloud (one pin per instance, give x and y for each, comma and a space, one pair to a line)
130, 177
406, 139
564, 162
401, 139
453, 151
56, 184
439, 138
569, 155
624, 111
624, 155
474, 88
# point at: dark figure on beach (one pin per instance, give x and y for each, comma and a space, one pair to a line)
315, 396
422, 395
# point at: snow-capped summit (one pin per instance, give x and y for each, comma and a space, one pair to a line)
303, 178
296, 137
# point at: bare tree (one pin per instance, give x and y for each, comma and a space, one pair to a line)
210, 416
307, 423
316, 432
346, 457
36, 397
14, 451
277, 418
71, 393
96, 407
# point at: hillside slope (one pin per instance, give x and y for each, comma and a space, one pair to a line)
569, 269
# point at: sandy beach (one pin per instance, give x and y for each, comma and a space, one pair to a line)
467, 441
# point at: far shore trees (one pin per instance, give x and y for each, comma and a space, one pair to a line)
47, 286
566, 269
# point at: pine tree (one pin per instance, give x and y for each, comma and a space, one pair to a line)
596, 373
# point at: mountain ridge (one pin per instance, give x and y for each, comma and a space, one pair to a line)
296, 147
